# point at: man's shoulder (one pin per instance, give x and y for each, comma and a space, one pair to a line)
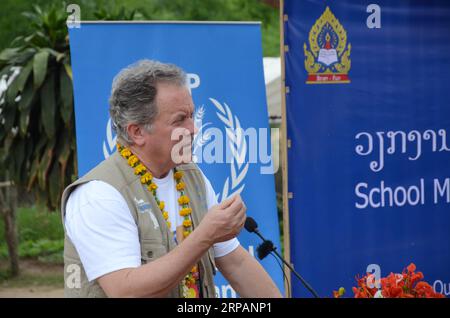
112, 171
95, 190
188, 166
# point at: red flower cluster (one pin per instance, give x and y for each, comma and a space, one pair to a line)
408, 284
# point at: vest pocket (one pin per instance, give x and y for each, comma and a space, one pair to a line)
151, 250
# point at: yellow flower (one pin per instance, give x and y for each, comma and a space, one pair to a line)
185, 211
133, 160
139, 168
161, 205
194, 269
125, 153
152, 186
178, 175
186, 233
146, 177
168, 224
187, 223
165, 215
180, 186
184, 199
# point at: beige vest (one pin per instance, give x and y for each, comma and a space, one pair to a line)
155, 239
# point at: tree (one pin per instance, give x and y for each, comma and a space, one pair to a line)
37, 130
36, 110
8, 207
37, 144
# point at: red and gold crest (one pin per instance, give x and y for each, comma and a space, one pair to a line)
327, 60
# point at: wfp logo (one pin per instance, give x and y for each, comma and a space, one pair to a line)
236, 142
109, 144
225, 143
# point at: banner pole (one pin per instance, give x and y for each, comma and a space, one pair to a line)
284, 164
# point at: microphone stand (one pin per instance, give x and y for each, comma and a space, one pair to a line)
274, 250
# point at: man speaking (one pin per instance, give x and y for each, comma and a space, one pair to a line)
145, 222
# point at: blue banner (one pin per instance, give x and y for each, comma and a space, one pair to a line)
224, 66
368, 116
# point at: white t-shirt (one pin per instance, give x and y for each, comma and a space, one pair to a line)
104, 233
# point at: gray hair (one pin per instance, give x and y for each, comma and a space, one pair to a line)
133, 94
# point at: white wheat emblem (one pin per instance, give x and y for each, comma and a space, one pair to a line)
202, 136
109, 144
238, 147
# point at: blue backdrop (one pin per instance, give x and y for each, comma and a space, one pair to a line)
224, 62
369, 164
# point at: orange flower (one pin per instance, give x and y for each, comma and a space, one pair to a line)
408, 284
187, 223
178, 175
411, 267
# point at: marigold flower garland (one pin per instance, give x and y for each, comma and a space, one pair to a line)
190, 281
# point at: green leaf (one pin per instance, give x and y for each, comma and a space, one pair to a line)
40, 67
44, 164
35, 165
11, 92
24, 120
59, 56
9, 53
48, 105
27, 96
24, 107
23, 75
66, 96
9, 115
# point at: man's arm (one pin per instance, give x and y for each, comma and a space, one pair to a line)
158, 278
246, 275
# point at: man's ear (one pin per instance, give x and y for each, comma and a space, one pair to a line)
136, 134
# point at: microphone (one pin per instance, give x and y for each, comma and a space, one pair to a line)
267, 247
264, 249
250, 224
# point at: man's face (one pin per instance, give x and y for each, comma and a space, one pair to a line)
175, 117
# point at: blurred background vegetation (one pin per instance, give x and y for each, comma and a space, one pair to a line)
13, 24
42, 161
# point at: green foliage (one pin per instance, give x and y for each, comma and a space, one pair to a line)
55, 279
11, 23
37, 135
41, 235
43, 247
